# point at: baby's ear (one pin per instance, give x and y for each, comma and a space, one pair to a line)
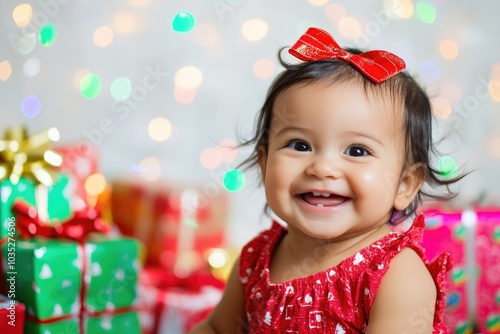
262, 159
410, 183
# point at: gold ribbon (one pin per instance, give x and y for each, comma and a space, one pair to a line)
29, 156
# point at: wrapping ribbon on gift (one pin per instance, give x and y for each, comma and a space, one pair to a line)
76, 229
30, 156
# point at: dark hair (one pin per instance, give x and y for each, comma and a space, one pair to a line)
402, 89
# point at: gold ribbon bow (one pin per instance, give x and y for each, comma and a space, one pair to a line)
23, 156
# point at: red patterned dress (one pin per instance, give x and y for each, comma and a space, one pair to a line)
336, 300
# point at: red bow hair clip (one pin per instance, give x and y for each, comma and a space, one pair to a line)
317, 44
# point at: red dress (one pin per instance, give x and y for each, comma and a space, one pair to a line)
336, 300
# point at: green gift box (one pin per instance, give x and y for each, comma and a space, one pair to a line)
119, 323
62, 281
58, 200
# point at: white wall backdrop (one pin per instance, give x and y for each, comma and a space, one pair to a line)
451, 46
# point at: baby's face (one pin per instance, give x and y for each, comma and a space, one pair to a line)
334, 160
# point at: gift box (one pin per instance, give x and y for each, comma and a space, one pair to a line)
126, 322
28, 170
169, 304
73, 279
487, 254
11, 316
56, 200
176, 224
80, 160
445, 232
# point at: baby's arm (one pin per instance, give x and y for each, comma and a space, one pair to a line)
406, 298
229, 315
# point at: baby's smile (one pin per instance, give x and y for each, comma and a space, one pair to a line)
323, 199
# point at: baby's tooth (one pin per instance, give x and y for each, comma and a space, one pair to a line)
316, 193
325, 194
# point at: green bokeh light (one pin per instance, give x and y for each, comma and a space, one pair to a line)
459, 232
121, 88
234, 180
183, 22
90, 86
47, 34
426, 12
447, 167
496, 236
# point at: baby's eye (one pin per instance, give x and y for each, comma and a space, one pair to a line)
299, 145
356, 151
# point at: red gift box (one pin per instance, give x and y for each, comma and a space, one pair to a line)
80, 160
177, 225
11, 316
168, 304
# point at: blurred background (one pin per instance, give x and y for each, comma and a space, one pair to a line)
165, 90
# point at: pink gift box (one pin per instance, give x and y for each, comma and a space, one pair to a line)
487, 251
445, 232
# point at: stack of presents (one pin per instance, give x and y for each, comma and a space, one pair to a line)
136, 257
130, 259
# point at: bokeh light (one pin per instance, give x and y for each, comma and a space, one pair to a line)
90, 86
5, 70
254, 30
429, 72
124, 23
25, 43
184, 95
210, 158
151, 169
349, 27
139, 3
452, 91
218, 258
95, 184
121, 88
318, 3
441, 107
54, 134
159, 129
31, 106
426, 12
228, 150
399, 9
263, 68
103, 36
183, 22
32, 67
334, 12
495, 70
447, 167
188, 77
494, 89
47, 34
207, 35
494, 146
448, 49
234, 180
22, 14
78, 76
